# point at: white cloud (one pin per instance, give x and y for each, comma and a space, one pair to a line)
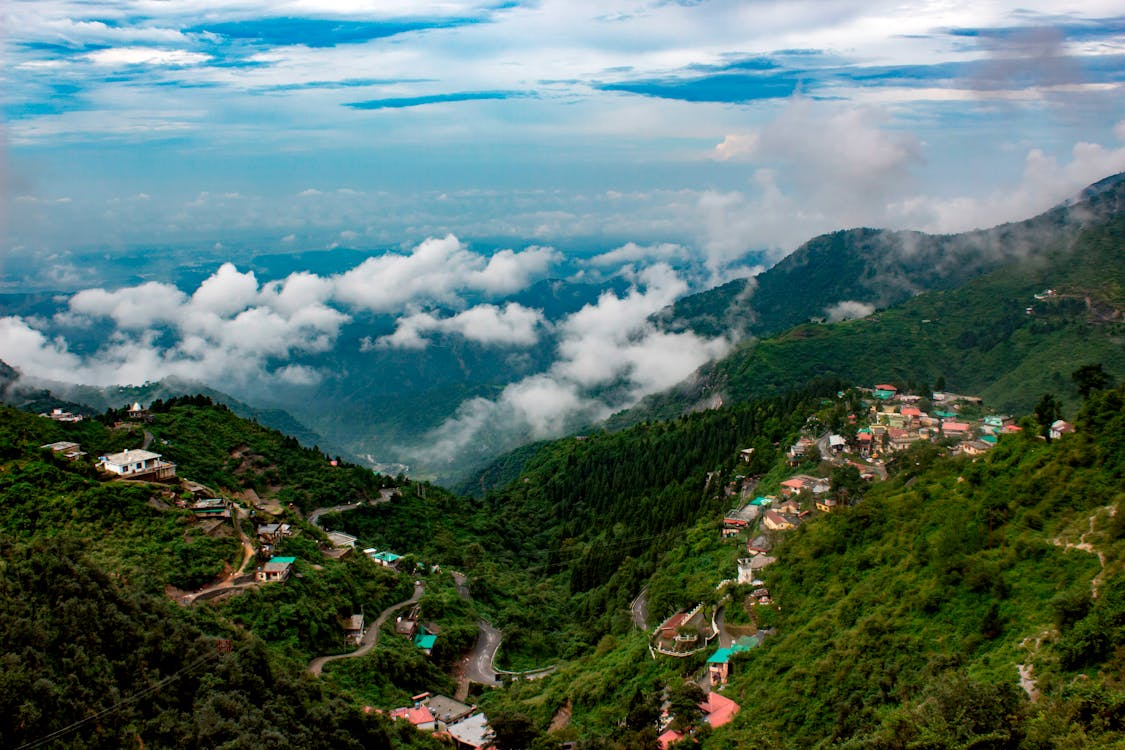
1045, 182
438, 270
512, 325
631, 252
124, 56
848, 310
229, 329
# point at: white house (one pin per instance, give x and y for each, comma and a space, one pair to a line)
137, 463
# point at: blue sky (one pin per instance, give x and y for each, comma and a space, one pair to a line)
243, 126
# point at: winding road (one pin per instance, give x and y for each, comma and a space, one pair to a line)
371, 637
478, 664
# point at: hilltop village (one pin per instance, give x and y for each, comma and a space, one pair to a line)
824, 470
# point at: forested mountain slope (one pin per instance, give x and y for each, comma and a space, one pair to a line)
96, 652
877, 268
991, 337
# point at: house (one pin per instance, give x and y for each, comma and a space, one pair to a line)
973, 447
1059, 428
837, 444
136, 464
386, 558
732, 526
759, 563
420, 716
774, 521
864, 441
272, 533
827, 504
997, 420
425, 641
717, 711
718, 666
59, 415
899, 439
759, 545
911, 412
885, 391
796, 453
210, 507
353, 629
792, 486
746, 455
341, 540
789, 508
684, 633
408, 624
277, 569
447, 711
471, 733
950, 428
69, 451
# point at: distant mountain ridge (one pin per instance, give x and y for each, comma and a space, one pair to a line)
990, 336
878, 268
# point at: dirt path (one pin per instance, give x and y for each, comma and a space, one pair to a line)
1088, 548
370, 638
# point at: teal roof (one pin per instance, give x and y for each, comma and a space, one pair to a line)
425, 641
761, 501
283, 560
945, 414
723, 655
388, 556
989, 438
884, 394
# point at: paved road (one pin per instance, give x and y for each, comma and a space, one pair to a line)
639, 609
384, 497
478, 665
371, 637
314, 517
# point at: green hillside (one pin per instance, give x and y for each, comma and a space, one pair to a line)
901, 622
97, 652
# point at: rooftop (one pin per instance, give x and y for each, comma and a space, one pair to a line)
131, 457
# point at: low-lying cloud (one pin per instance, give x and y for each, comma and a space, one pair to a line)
609, 355
491, 325
849, 309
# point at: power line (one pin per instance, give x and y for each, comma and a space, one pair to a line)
59, 733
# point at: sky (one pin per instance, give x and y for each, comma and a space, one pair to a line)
473, 148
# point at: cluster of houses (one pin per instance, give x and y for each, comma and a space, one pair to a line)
461, 723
